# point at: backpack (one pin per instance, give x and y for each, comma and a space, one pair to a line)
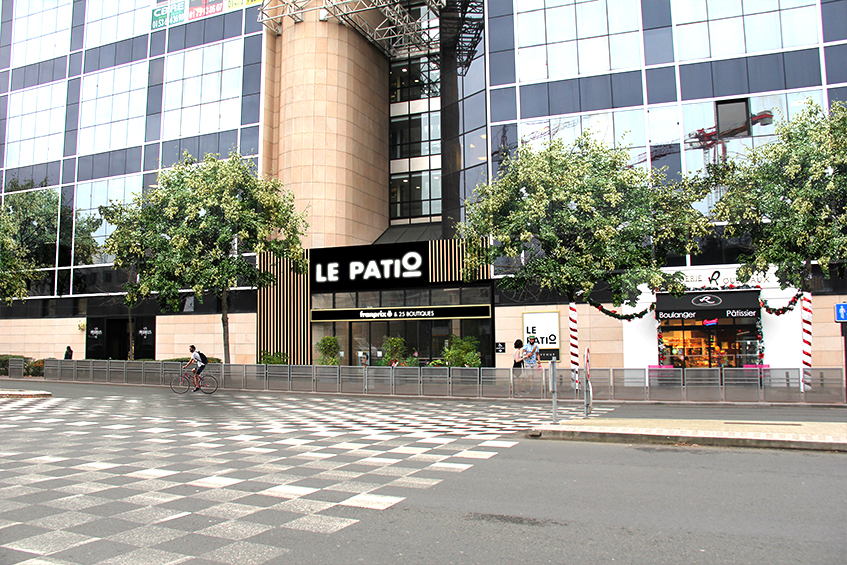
202, 357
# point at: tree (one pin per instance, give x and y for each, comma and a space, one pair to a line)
15, 269
570, 218
197, 229
790, 196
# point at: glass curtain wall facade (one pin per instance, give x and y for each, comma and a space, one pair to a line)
680, 83
96, 97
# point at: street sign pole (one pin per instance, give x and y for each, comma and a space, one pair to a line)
589, 393
553, 387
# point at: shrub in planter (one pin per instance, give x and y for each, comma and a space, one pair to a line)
34, 368
329, 348
4, 362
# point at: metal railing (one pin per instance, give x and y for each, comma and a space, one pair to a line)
749, 384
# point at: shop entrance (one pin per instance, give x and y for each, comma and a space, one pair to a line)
727, 343
108, 338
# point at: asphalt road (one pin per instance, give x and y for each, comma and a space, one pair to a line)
509, 500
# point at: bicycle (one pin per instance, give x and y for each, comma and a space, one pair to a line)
181, 384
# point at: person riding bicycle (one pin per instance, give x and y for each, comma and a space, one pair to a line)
195, 358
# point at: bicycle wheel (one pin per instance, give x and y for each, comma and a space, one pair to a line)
208, 384
180, 384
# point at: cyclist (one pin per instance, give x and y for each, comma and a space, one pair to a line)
195, 358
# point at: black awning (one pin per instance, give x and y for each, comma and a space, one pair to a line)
703, 305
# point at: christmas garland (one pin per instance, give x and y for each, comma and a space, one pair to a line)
775, 311
760, 344
614, 313
787, 308
663, 349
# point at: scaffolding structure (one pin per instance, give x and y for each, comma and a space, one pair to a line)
384, 23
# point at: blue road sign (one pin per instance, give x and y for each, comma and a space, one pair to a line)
841, 312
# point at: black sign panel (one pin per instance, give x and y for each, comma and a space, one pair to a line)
708, 305
402, 313
500, 347
369, 267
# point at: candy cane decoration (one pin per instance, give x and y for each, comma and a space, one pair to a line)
574, 344
806, 318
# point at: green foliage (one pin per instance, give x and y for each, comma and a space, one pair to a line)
462, 352
570, 218
185, 360
395, 354
329, 348
34, 368
15, 269
193, 230
276, 358
790, 197
4, 362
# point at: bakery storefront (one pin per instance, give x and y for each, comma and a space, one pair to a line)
710, 329
366, 294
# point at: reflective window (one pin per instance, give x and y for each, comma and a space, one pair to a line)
112, 109
414, 195
629, 128
36, 125
41, 30
202, 90
724, 9
727, 37
687, 11
799, 26
593, 55
562, 60
733, 119
696, 43
591, 19
625, 50
532, 64
762, 32
601, 127
623, 16
115, 20
91, 230
664, 125
561, 24
531, 29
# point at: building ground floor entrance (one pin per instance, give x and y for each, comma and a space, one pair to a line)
108, 338
688, 343
365, 343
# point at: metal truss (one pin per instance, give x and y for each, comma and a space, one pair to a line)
462, 24
384, 23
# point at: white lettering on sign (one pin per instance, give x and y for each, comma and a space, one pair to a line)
407, 267
331, 273
740, 313
671, 315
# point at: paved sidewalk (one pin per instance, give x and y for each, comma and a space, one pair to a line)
818, 436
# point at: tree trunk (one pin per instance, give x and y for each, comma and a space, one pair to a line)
225, 323
131, 334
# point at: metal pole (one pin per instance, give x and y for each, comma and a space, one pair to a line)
553, 387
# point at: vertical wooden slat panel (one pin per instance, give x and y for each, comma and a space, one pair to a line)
284, 312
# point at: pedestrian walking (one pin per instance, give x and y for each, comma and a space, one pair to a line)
69, 353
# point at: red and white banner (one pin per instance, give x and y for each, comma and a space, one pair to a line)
574, 343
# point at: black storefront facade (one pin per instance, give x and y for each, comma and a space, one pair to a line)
366, 294
709, 329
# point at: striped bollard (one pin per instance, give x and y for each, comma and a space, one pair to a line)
574, 344
806, 318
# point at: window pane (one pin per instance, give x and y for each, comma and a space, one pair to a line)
593, 55
762, 32
625, 50
532, 63
664, 127
561, 24
562, 60
629, 128
530, 29
623, 16
696, 45
591, 19
799, 26
727, 37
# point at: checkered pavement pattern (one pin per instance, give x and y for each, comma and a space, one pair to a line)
201, 479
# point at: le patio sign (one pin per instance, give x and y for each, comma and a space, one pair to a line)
545, 327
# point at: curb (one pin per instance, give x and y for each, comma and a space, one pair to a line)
684, 440
25, 394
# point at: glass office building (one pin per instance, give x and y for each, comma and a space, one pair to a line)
384, 136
